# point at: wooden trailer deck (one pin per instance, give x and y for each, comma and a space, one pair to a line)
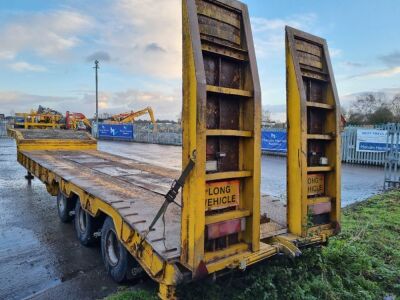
135, 189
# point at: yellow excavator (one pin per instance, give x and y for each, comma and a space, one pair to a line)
130, 117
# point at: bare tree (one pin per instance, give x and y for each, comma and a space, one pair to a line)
344, 112
395, 107
266, 116
363, 109
179, 118
381, 115
368, 103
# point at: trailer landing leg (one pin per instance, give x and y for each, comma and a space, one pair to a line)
167, 292
29, 177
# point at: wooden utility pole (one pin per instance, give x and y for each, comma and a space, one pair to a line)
96, 67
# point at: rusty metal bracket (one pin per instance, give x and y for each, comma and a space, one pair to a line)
285, 246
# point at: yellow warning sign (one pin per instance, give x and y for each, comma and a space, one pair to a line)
316, 184
222, 194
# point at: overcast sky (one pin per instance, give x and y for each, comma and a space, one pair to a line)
48, 47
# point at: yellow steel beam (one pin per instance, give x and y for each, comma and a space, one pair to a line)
313, 118
229, 132
219, 254
228, 91
51, 144
193, 140
222, 29
234, 214
228, 175
30, 145
165, 273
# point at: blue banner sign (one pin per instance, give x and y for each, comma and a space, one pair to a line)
274, 141
19, 119
371, 140
116, 131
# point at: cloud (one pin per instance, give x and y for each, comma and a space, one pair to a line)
392, 59
277, 112
165, 105
269, 35
89, 99
144, 38
388, 93
141, 38
154, 47
389, 72
99, 55
47, 34
277, 108
353, 64
24, 102
391, 91
300, 21
7, 55
334, 52
22, 66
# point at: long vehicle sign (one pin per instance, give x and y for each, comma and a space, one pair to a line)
315, 184
222, 194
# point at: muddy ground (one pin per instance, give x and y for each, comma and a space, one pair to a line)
40, 257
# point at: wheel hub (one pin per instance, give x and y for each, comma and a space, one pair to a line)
82, 220
112, 248
61, 204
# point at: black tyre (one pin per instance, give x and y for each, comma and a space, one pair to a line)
119, 263
85, 225
64, 207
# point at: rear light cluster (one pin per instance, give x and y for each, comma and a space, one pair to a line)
223, 234
225, 228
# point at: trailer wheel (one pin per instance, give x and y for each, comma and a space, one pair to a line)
64, 207
84, 225
119, 263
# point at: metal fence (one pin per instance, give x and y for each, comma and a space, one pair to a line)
3, 129
350, 153
171, 134
167, 134
166, 138
392, 169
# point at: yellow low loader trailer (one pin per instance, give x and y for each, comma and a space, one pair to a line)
214, 223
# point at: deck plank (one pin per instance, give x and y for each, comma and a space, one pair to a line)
135, 189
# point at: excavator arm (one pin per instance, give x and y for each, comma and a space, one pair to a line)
130, 117
73, 119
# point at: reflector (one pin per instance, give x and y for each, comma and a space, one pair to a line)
225, 228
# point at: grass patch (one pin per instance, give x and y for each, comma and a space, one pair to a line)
363, 262
133, 295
